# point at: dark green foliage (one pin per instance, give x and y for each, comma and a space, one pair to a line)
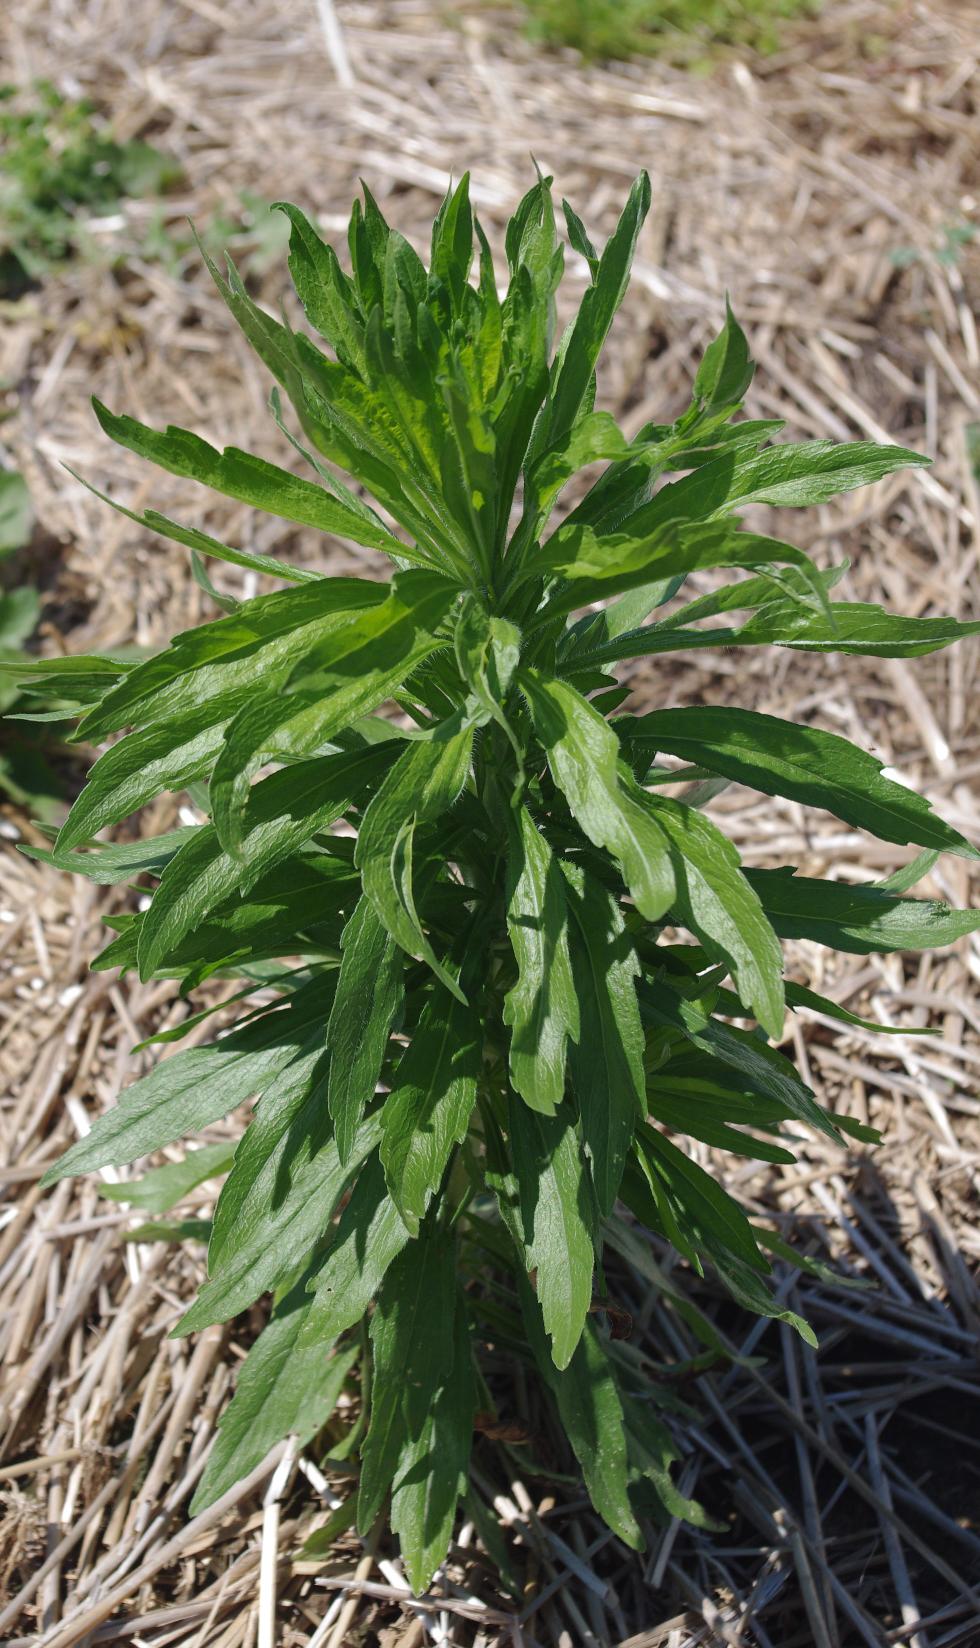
486, 1030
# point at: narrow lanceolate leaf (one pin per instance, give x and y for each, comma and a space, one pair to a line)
324, 290
369, 992
556, 1215
270, 634
164, 1187
591, 1411
542, 1008
347, 674
194, 539
797, 995
370, 1233
760, 1068
717, 903
282, 812
859, 920
855, 627
283, 1389
700, 1216
599, 305
412, 1346
583, 754
810, 472
726, 368
428, 1110
423, 784
817, 768
111, 862
607, 1062
166, 756
250, 479
431, 1474
600, 564
285, 1213
852, 628
195, 1088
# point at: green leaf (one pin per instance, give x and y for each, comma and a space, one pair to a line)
250, 479
16, 512
170, 1230
726, 368
136, 769
369, 994
423, 784
810, 472
579, 238
269, 636
297, 908
589, 329
591, 1412
607, 1060
703, 1110
428, 1110
370, 1233
719, 905
797, 995
431, 1474
802, 763
542, 1008
282, 812
855, 627
201, 543
761, 1068
324, 290
909, 874
487, 652
159, 1191
598, 565
287, 1386
412, 1347
192, 1089
583, 754
747, 1287
701, 1216
859, 920
599, 629
556, 1219
847, 627
352, 670
280, 1213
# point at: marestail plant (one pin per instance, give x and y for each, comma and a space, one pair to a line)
496, 961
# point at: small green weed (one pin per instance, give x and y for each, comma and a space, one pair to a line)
639, 28
26, 775
60, 167
953, 240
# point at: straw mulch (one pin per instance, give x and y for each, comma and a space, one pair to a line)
849, 1481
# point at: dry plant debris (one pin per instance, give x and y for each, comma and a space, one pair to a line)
821, 185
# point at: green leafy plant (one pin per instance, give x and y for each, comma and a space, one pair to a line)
638, 28
501, 961
26, 774
59, 164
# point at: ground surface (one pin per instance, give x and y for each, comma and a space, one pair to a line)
820, 187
